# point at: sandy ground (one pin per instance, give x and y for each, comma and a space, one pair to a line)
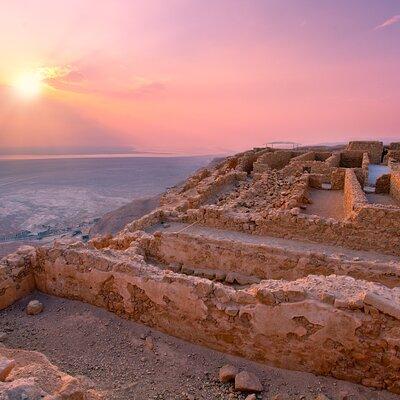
326, 203
114, 221
287, 244
85, 340
382, 198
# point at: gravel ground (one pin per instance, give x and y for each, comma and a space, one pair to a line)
115, 354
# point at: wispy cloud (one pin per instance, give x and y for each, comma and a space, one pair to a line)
118, 84
391, 21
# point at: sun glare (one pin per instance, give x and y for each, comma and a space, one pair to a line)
29, 85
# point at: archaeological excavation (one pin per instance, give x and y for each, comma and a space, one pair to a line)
289, 258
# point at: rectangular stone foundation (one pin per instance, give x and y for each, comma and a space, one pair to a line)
333, 325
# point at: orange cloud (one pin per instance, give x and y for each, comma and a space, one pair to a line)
69, 78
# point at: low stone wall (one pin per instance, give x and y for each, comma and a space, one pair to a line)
383, 184
260, 260
273, 160
16, 276
354, 197
351, 159
373, 148
338, 177
392, 154
379, 234
313, 167
395, 185
394, 146
353, 323
333, 160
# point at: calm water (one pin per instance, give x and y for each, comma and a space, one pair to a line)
59, 192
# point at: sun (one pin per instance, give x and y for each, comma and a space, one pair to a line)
29, 85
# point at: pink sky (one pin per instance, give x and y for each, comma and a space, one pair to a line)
200, 76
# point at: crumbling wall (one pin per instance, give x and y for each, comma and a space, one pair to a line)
227, 259
392, 154
353, 323
379, 233
383, 184
338, 177
351, 159
333, 160
16, 276
395, 185
373, 148
354, 197
394, 146
273, 160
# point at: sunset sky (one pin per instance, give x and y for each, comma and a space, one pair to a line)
197, 76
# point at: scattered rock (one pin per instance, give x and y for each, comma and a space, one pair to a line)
251, 397
23, 389
227, 373
295, 211
34, 307
247, 382
321, 396
6, 365
149, 341
3, 336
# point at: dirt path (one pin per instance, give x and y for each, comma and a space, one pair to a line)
85, 340
289, 244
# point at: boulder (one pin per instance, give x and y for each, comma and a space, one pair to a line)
6, 365
227, 373
247, 382
34, 307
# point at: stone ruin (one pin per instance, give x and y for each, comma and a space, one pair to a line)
233, 260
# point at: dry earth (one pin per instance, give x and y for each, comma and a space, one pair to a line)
84, 340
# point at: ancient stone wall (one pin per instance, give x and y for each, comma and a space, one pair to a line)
338, 177
383, 184
353, 323
351, 159
374, 149
395, 185
16, 276
313, 167
392, 154
354, 197
227, 259
394, 146
273, 160
381, 236
333, 160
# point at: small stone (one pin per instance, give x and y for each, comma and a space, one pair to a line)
251, 397
295, 211
3, 336
247, 382
321, 396
149, 342
279, 396
231, 311
6, 365
227, 373
34, 307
